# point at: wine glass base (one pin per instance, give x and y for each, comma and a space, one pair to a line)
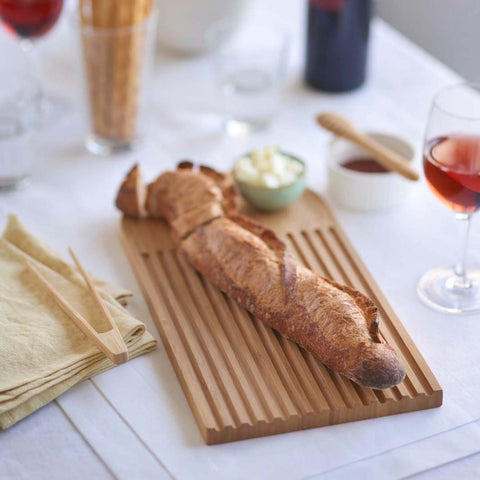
106, 147
437, 290
240, 128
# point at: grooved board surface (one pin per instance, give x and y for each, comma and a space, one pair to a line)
241, 378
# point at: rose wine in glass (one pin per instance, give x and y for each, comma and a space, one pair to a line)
29, 20
452, 169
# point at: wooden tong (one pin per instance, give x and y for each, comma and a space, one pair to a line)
111, 343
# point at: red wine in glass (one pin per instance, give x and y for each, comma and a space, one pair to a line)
29, 18
452, 170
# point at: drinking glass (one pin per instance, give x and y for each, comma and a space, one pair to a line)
29, 20
249, 68
118, 53
452, 169
15, 152
17, 91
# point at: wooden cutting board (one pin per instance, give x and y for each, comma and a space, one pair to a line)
241, 378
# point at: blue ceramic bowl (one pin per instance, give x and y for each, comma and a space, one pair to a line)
271, 199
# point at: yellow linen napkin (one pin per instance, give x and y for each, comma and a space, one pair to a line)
42, 352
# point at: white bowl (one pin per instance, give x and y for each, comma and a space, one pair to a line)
367, 191
183, 24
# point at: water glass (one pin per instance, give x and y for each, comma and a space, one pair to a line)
17, 117
249, 67
15, 153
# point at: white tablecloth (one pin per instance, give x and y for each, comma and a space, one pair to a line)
134, 421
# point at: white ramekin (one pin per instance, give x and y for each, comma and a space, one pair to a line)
366, 191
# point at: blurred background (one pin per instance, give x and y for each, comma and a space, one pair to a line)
449, 33
448, 29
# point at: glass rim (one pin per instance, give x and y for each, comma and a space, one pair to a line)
251, 21
445, 90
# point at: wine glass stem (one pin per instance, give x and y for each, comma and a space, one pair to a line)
28, 49
460, 280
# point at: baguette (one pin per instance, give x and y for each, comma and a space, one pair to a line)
336, 323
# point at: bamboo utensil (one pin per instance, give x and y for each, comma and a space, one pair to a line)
387, 158
111, 342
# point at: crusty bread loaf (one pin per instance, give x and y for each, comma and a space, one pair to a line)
251, 264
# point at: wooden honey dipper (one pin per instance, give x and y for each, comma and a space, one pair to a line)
387, 158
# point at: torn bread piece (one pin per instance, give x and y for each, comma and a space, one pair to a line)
131, 196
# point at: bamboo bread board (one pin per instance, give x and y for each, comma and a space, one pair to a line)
240, 377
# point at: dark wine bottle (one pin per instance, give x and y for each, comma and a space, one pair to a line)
337, 41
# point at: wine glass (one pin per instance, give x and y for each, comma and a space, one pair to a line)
28, 20
452, 169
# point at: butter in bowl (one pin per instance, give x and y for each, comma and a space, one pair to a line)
269, 179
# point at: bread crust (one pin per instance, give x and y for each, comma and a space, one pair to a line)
336, 323
131, 195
